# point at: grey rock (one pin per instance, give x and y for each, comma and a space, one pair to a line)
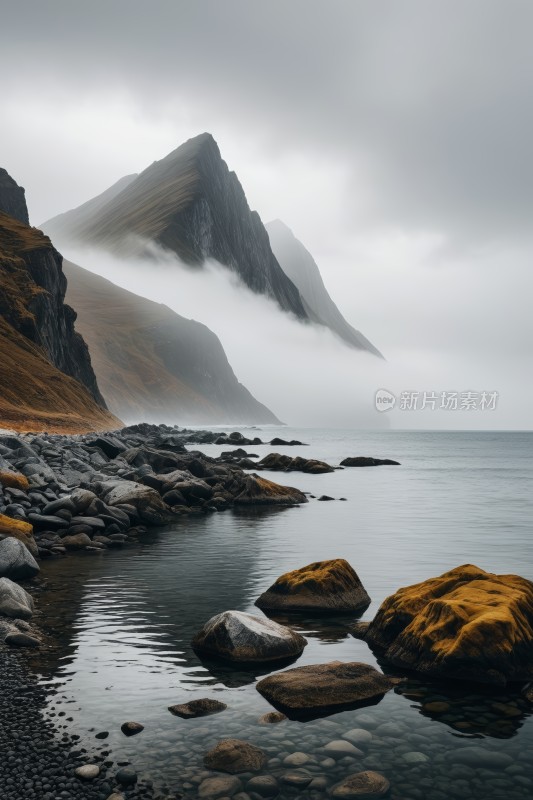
15, 602
16, 561
87, 772
237, 636
19, 639
219, 786
235, 755
263, 785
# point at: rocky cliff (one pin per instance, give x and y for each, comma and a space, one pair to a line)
301, 268
153, 364
45, 369
191, 204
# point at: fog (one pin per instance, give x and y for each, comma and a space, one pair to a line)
308, 377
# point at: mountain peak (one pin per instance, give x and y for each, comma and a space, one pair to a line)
12, 198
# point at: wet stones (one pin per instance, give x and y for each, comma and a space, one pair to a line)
197, 708
219, 786
236, 636
361, 785
234, 756
320, 687
331, 586
131, 728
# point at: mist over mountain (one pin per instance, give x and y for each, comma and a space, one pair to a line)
192, 205
45, 369
153, 364
298, 263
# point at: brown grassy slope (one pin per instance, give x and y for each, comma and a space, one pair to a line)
34, 395
153, 364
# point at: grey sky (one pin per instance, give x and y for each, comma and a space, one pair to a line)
394, 137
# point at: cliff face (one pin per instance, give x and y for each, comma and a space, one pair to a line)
299, 265
153, 364
54, 377
12, 198
191, 204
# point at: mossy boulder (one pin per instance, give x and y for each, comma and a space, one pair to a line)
260, 491
324, 586
14, 480
18, 529
465, 624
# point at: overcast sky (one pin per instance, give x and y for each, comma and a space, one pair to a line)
394, 138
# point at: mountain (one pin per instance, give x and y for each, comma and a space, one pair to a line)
153, 364
191, 204
299, 265
46, 376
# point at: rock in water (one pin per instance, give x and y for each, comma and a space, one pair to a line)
197, 708
361, 786
320, 688
219, 786
260, 491
15, 601
367, 461
131, 728
465, 624
331, 586
237, 636
234, 755
16, 561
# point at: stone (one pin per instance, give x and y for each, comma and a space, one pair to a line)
14, 480
415, 757
87, 772
79, 541
366, 461
466, 624
219, 786
263, 785
131, 728
283, 463
197, 708
361, 786
480, 757
236, 636
16, 561
19, 639
358, 736
234, 755
528, 693
320, 687
339, 748
437, 707
15, 602
144, 499
18, 529
272, 718
299, 778
297, 759
260, 491
330, 586
126, 776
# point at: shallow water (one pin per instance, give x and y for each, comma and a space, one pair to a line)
126, 618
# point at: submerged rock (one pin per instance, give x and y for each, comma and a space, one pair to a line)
16, 561
367, 461
272, 718
465, 624
15, 602
197, 708
331, 586
131, 728
234, 755
322, 687
219, 786
283, 463
361, 785
237, 636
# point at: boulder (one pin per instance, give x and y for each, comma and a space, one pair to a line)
20, 639
219, 786
236, 636
284, 463
144, 499
234, 755
16, 561
15, 602
131, 728
318, 688
14, 480
465, 624
323, 586
361, 786
79, 541
260, 491
367, 461
197, 708
18, 529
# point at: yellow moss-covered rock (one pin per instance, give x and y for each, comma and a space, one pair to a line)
260, 491
14, 480
330, 586
467, 624
20, 530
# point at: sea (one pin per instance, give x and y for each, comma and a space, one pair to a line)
123, 620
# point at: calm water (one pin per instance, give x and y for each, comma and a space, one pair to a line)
126, 617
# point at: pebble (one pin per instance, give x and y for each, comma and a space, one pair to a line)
88, 772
